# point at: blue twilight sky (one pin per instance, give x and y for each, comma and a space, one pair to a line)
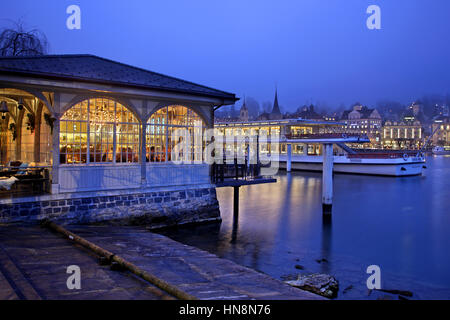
314, 50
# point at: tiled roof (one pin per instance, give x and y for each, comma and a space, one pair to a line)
309, 113
100, 70
365, 113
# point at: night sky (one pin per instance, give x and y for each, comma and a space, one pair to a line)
313, 50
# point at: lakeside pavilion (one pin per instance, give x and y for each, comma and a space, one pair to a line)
87, 139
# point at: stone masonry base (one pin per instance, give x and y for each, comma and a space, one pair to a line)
154, 209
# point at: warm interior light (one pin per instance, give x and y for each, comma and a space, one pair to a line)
4, 109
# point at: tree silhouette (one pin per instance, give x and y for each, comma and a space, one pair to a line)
17, 41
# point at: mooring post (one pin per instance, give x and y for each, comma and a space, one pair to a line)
289, 157
236, 201
327, 179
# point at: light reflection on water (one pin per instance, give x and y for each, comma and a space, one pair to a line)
400, 224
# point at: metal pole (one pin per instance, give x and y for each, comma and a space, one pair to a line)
327, 179
236, 201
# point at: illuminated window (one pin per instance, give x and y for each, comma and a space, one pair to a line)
99, 131
171, 125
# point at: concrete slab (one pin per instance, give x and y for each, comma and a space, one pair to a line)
33, 264
195, 271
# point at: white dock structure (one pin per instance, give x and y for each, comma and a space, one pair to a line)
328, 159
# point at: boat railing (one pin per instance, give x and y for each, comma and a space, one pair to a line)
325, 136
383, 155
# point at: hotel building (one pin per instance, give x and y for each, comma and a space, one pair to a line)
442, 135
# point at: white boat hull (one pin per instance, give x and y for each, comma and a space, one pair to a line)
397, 167
441, 153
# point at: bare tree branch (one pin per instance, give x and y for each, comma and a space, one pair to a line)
18, 41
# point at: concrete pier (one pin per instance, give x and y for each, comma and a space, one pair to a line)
289, 157
33, 264
327, 178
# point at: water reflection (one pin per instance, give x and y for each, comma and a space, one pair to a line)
326, 244
400, 224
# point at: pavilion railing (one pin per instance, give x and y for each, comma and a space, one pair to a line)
238, 169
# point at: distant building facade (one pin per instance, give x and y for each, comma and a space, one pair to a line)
308, 113
365, 121
403, 135
442, 135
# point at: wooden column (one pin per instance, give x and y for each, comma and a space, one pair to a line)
143, 156
19, 134
55, 146
37, 133
327, 179
4, 140
55, 156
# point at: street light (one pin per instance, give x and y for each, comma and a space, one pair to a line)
4, 109
20, 104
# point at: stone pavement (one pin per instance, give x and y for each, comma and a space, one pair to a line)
33, 264
194, 271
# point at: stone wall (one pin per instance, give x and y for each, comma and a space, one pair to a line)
155, 209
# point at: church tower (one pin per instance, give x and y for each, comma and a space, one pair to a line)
276, 112
243, 114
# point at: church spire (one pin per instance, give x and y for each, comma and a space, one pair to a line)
276, 107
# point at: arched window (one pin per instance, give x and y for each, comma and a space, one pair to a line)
163, 134
99, 131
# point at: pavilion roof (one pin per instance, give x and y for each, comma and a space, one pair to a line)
90, 68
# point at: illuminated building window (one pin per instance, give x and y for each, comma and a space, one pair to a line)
99, 131
162, 134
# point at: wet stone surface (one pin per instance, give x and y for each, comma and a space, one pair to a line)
34, 261
322, 284
33, 266
195, 271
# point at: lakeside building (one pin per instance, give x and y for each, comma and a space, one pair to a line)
364, 121
282, 128
442, 135
407, 134
96, 135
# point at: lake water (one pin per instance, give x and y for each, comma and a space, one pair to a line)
400, 224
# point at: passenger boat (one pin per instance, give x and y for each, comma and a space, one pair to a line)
381, 162
441, 150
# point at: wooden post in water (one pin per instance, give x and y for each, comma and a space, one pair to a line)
236, 201
289, 157
327, 179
